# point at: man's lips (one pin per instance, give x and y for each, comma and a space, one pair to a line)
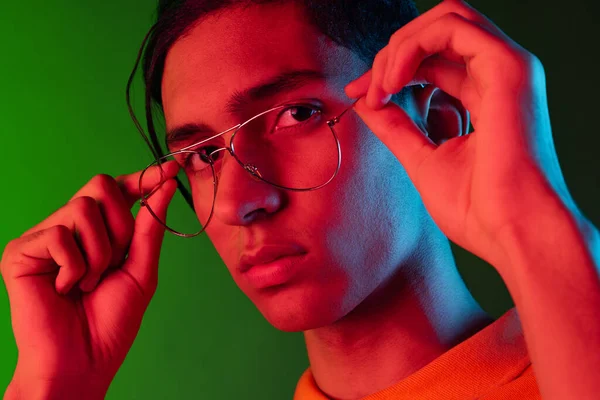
266, 254
272, 270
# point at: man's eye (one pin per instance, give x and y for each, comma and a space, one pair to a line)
200, 158
295, 115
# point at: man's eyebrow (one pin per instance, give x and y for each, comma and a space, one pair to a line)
240, 100
278, 84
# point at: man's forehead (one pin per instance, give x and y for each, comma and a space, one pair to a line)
241, 47
244, 44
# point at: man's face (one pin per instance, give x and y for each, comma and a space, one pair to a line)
352, 234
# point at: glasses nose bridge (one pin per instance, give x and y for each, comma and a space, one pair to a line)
251, 169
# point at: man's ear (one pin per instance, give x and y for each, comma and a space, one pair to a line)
443, 116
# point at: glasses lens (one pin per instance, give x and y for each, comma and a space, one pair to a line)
180, 216
290, 146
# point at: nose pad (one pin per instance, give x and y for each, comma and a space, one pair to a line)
250, 168
240, 201
253, 170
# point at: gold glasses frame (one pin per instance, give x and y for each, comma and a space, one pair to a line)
251, 169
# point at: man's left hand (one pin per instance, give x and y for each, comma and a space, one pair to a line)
503, 173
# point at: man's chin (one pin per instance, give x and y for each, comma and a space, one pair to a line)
296, 322
296, 310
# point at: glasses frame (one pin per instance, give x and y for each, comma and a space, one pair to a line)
251, 169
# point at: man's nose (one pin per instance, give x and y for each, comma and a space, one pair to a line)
241, 197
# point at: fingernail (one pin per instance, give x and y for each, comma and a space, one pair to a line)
348, 90
386, 99
378, 102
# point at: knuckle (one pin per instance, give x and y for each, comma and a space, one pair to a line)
8, 249
7, 252
397, 36
100, 260
379, 68
61, 233
451, 16
517, 57
98, 256
525, 62
524, 65
378, 60
85, 205
532, 62
104, 182
470, 14
62, 236
99, 248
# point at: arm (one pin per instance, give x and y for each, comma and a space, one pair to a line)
24, 387
554, 281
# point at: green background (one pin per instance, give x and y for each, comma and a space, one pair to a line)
63, 68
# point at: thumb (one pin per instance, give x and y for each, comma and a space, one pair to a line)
394, 127
148, 234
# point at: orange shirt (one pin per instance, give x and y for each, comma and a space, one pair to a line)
493, 364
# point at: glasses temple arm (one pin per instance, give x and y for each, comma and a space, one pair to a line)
335, 120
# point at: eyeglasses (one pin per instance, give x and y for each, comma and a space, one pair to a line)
290, 146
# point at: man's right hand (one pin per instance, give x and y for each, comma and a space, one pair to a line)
79, 283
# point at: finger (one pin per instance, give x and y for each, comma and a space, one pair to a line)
450, 32
129, 186
358, 87
377, 97
466, 10
43, 252
426, 19
84, 220
394, 127
130, 183
144, 252
445, 7
363, 84
453, 79
460, 7
89, 229
115, 211
98, 221
448, 76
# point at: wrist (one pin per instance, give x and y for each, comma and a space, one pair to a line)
541, 244
24, 387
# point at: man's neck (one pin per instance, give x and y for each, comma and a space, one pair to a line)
405, 324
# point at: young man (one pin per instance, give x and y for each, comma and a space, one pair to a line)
362, 264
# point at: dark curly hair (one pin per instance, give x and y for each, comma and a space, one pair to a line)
362, 26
